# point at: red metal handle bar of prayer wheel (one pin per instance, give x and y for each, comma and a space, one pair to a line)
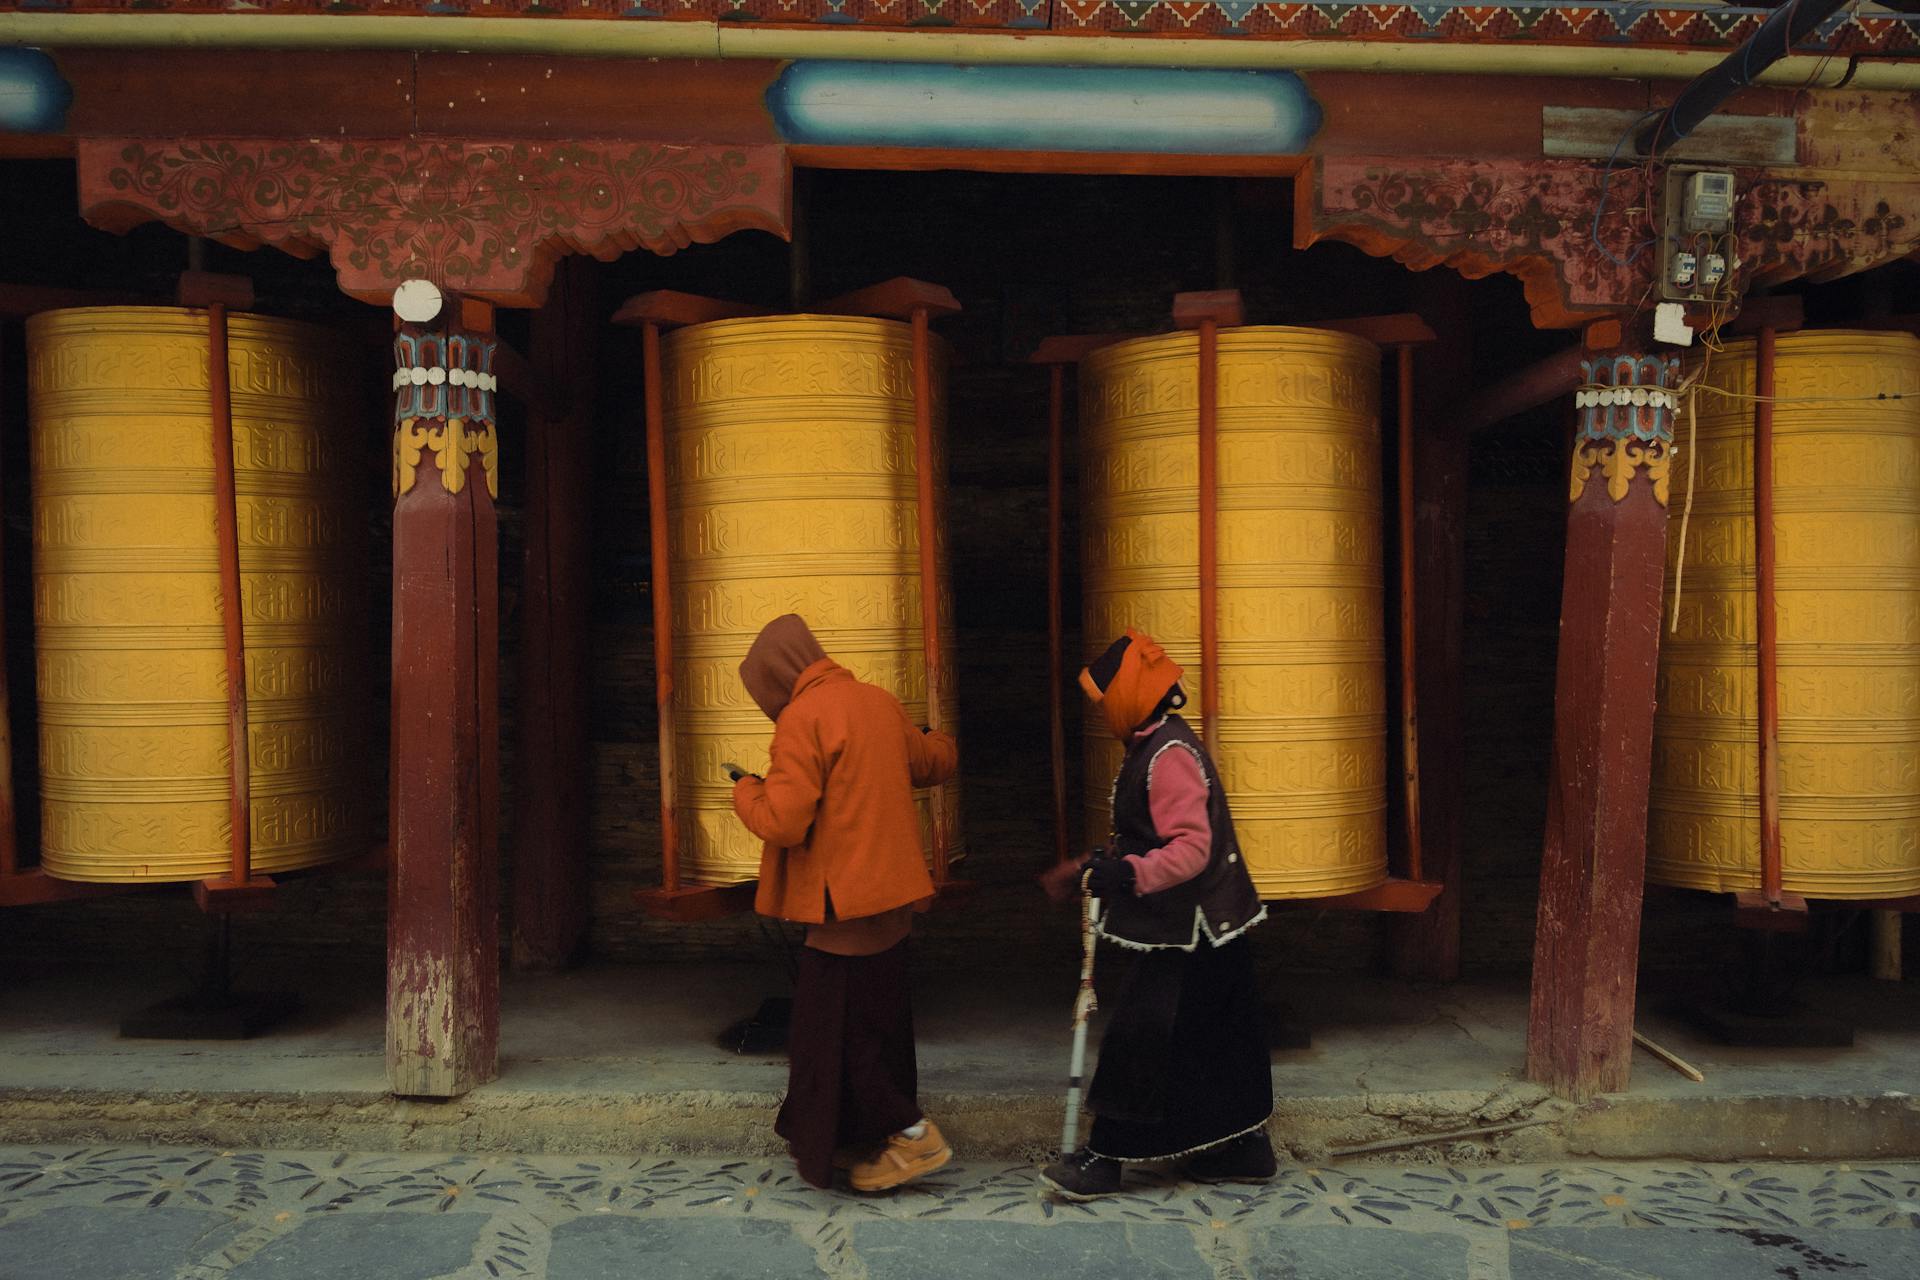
227, 523
662, 591
917, 302
927, 532
239, 887
1209, 312
1056, 656
1057, 353
1765, 616
1409, 653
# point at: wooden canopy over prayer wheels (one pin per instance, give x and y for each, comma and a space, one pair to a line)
134, 715
1846, 608
791, 483
1300, 737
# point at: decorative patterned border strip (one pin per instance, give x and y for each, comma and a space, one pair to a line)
1516, 21
1540, 22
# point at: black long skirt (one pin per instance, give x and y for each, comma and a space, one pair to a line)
852, 1078
1184, 1064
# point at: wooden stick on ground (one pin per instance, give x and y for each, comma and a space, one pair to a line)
1452, 1135
1671, 1058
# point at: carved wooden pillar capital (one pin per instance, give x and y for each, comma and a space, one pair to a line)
1625, 427
444, 395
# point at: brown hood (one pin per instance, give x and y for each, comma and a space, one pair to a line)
781, 652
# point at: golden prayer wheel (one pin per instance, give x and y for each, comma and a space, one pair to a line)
131, 655
1301, 742
790, 471
1847, 604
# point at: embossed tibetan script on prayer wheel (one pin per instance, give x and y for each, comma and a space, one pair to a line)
131, 660
791, 484
1301, 741
1846, 496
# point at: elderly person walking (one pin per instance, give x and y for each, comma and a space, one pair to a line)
842, 856
1184, 1068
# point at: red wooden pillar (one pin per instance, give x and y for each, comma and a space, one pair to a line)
1425, 946
443, 970
550, 875
1586, 948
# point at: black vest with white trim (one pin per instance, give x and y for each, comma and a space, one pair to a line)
1218, 904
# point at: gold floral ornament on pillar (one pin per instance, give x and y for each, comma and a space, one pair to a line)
444, 388
1626, 423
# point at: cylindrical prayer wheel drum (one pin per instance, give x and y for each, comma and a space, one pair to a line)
130, 647
1847, 603
791, 487
1301, 742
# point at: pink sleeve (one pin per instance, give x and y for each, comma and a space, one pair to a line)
1177, 798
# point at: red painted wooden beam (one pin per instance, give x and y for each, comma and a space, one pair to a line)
1781, 312
1404, 329
896, 299
1072, 348
670, 309
1396, 895
18, 301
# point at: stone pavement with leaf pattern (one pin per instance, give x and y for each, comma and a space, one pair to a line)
119, 1214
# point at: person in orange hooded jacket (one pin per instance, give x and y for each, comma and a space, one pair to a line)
842, 855
1184, 1067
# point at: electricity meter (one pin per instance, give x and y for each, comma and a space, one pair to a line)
1709, 202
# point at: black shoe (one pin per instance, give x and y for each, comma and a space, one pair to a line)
1082, 1175
1248, 1158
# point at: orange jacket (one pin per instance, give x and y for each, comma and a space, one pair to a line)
836, 808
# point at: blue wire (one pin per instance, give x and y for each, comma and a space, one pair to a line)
1606, 180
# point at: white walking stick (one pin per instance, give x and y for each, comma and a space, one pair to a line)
1083, 1007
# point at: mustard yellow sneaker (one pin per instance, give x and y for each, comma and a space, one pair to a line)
902, 1160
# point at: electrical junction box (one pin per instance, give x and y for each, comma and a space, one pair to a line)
1698, 261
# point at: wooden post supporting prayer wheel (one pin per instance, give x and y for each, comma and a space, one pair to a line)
443, 982
1426, 946
550, 877
239, 886
1056, 648
918, 303
1586, 950
1766, 617
654, 312
1208, 313
1056, 354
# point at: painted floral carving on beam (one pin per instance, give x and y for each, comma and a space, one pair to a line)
1534, 219
1823, 230
487, 218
